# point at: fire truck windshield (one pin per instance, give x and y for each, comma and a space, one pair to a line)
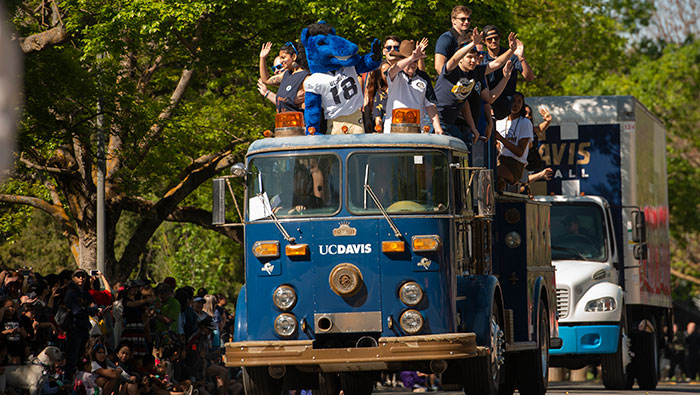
297, 185
404, 182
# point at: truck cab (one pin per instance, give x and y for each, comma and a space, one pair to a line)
366, 253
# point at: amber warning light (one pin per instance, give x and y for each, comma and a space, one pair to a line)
405, 115
289, 120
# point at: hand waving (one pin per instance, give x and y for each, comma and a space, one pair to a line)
265, 50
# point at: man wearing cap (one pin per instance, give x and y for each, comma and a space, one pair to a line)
492, 36
448, 43
81, 306
410, 87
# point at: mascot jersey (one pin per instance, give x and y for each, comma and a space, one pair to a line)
339, 90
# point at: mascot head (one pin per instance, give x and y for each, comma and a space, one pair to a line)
325, 51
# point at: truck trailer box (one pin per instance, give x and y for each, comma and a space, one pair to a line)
613, 147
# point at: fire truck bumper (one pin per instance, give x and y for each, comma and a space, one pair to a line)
389, 350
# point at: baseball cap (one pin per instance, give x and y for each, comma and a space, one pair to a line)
199, 299
406, 48
80, 272
490, 30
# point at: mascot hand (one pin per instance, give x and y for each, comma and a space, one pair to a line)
376, 50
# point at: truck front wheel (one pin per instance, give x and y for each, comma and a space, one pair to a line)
617, 370
533, 366
485, 375
256, 381
647, 360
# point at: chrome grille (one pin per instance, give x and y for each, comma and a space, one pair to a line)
562, 302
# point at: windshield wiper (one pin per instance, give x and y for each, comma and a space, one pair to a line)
396, 230
290, 239
571, 250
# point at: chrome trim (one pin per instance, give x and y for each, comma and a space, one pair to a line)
562, 302
252, 250
370, 321
367, 145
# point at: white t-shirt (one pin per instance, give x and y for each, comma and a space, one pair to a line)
405, 92
515, 130
340, 90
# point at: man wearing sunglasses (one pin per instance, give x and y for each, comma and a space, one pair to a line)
501, 107
391, 44
448, 43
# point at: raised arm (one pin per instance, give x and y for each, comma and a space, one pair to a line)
505, 56
262, 65
527, 72
418, 53
454, 60
490, 96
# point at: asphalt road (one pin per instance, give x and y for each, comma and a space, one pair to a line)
590, 387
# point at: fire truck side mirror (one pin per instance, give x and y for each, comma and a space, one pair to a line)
218, 210
238, 170
639, 229
640, 251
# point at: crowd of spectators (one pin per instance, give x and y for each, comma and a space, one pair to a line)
129, 338
474, 94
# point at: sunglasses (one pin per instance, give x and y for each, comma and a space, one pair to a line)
465, 19
291, 44
277, 67
392, 47
494, 38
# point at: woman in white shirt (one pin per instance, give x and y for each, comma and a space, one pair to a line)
515, 135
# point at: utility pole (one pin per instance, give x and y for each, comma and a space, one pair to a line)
101, 169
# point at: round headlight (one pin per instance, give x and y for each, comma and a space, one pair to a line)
411, 293
411, 322
285, 324
512, 239
284, 297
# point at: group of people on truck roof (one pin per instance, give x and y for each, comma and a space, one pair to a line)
474, 92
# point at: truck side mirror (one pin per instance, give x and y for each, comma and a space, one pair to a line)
640, 251
483, 192
639, 229
238, 170
218, 210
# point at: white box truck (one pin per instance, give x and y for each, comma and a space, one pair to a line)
609, 235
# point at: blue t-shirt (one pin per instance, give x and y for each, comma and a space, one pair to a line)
501, 107
455, 87
447, 43
287, 93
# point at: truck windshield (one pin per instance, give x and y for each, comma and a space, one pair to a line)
299, 185
578, 232
404, 182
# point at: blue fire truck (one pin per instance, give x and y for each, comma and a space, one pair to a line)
387, 252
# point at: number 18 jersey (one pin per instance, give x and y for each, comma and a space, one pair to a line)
340, 91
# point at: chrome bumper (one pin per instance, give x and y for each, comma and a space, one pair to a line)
389, 349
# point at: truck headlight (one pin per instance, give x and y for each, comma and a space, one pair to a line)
285, 324
512, 239
411, 322
411, 293
601, 304
284, 297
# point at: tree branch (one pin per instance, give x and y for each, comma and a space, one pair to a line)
39, 41
57, 212
684, 276
47, 169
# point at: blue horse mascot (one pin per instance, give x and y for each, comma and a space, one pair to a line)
333, 87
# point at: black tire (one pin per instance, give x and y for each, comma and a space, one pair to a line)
617, 372
647, 360
357, 383
328, 384
256, 381
484, 375
533, 366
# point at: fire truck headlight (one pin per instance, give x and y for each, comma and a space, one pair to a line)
411, 293
601, 304
284, 297
512, 239
285, 324
411, 322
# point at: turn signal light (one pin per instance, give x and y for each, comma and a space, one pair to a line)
296, 249
266, 249
405, 115
344, 129
426, 128
312, 131
426, 243
393, 246
267, 133
378, 128
290, 119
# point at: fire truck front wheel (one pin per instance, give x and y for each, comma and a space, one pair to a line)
257, 381
357, 383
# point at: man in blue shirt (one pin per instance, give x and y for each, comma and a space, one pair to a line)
448, 43
501, 107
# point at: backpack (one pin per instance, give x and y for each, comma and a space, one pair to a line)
63, 318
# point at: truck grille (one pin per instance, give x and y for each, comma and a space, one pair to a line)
562, 302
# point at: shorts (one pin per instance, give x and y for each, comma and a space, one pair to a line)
352, 121
514, 166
